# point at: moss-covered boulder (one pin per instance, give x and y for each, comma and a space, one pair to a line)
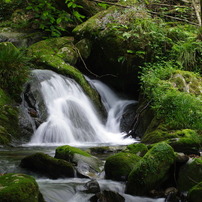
86, 164
139, 149
195, 193
48, 166
19, 188
151, 170
109, 31
118, 166
58, 54
190, 174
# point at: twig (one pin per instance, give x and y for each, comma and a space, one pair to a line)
97, 76
136, 119
176, 18
77, 50
197, 12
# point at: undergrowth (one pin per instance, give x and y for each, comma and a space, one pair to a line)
178, 109
13, 71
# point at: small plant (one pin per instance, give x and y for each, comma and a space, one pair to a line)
51, 19
188, 54
13, 70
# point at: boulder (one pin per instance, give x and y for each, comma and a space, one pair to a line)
48, 166
86, 165
190, 174
151, 171
109, 32
19, 187
118, 166
195, 193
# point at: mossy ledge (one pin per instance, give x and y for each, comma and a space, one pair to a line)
47, 54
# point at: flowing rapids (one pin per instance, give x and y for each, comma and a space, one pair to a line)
72, 117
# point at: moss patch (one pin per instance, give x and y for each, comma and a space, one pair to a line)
151, 170
66, 152
139, 149
118, 166
48, 166
19, 187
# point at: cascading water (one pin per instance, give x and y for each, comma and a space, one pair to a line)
72, 118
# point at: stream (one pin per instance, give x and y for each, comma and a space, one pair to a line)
72, 119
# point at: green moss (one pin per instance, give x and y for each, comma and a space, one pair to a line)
48, 166
190, 174
19, 188
118, 166
174, 99
151, 170
185, 140
67, 152
195, 193
139, 149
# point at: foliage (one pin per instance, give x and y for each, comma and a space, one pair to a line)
178, 109
51, 19
188, 54
13, 69
145, 39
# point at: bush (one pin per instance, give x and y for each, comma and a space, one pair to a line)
13, 69
177, 107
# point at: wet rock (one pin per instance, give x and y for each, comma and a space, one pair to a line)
190, 174
171, 195
118, 166
107, 196
92, 187
151, 170
86, 164
181, 158
47, 166
19, 187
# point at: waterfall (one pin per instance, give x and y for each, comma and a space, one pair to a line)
72, 117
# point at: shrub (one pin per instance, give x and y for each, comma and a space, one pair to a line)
13, 69
179, 109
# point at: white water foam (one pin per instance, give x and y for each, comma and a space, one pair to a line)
72, 118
